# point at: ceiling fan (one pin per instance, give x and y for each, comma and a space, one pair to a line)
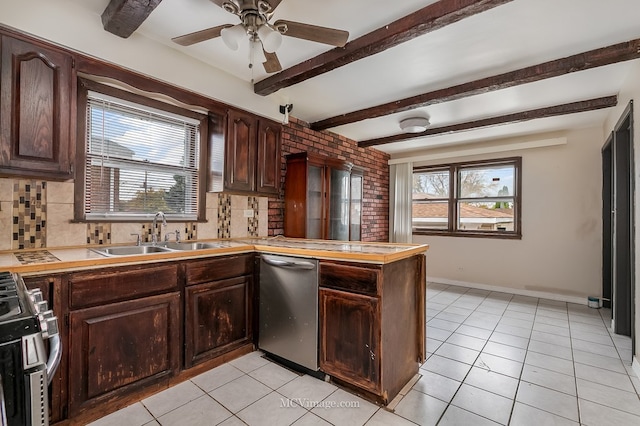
265, 37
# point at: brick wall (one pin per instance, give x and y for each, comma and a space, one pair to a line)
297, 137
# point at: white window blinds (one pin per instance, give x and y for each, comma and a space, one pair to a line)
139, 160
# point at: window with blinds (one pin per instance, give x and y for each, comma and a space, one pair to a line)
138, 161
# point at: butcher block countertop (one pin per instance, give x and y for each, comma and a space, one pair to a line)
33, 261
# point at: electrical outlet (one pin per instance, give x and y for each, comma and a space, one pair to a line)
248, 213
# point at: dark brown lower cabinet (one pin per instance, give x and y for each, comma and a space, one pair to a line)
121, 347
349, 334
372, 324
217, 318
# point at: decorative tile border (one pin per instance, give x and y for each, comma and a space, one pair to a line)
40, 256
147, 232
252, 222
224, 216
29, 214
98, 233
190, 231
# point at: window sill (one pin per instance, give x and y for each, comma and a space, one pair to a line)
136, 220
471, 234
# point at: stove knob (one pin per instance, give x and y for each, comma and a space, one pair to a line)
46, 315
36, 295
41, 306
52, 327
48, 324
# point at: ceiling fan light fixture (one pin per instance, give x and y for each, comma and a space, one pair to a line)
414, 124
271, 39
232, 36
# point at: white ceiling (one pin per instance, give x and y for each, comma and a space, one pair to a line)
508, 37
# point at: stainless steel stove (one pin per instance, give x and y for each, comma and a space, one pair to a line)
26, 367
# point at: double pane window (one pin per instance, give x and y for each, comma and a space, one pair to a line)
472, 199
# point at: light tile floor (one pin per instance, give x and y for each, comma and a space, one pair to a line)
493, 358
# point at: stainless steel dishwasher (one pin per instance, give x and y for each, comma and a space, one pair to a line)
289, 309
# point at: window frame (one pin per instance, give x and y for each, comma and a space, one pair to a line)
84, 87
454, 199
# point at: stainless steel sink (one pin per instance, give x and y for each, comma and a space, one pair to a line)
130, 250
172, 245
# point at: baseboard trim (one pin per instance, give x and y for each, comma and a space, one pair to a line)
518, 291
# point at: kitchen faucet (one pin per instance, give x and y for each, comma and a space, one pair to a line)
154, 236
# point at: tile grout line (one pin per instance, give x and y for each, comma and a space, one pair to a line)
486, 341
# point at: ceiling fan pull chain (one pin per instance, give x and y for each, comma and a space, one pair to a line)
251, 56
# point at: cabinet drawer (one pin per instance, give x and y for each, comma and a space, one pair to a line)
219, 269
111, 285
356, 279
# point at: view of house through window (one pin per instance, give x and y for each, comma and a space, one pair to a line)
139, 161
479, 198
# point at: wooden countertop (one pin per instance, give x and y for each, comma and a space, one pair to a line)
36, 261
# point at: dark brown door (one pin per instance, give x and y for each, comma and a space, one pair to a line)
607, 216
122, 347
349, 336
240, 152
217, 318
622, 225
35, 100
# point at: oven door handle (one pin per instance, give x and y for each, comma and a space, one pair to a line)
55, 355
3, 410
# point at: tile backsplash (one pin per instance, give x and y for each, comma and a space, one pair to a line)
39, 214
29, 214
98, 233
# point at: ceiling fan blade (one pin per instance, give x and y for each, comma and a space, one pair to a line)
198, 36
314, 33
272, 64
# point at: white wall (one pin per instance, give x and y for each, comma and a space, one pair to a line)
631, 91
65, 23
559, 254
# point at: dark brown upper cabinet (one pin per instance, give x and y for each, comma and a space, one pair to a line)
36, 104
252, 154
268, 173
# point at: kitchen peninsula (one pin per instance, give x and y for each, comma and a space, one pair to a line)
136, 324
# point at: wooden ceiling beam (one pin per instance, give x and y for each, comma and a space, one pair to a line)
583, 61
570, 108
427, 19
123, 17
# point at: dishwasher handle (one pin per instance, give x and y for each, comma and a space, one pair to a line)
299, 264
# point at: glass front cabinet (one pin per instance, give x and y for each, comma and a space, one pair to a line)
323, 198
